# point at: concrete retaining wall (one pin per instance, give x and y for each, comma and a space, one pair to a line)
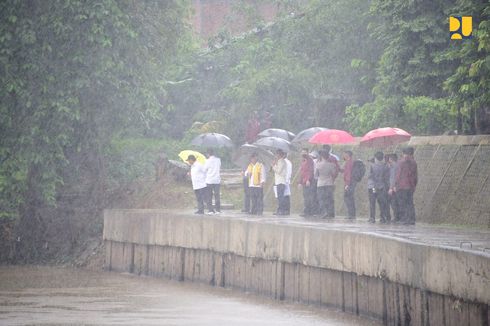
388, 279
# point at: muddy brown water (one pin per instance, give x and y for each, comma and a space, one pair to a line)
38, 295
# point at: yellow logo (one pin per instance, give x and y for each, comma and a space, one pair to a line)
460, 27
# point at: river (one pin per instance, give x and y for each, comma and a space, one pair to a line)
39, 295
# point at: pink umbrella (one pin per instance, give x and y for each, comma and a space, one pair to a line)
384, 137
332, 136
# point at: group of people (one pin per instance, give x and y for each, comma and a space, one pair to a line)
391, 184
206, 180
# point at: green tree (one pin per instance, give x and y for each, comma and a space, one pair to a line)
73, 75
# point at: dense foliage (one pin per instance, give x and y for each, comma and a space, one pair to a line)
74, 75
348, 64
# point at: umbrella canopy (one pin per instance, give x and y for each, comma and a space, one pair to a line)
384, 137
332, 136
199, 157
212, 140
274, 143
279, 133
305, 135
242, 155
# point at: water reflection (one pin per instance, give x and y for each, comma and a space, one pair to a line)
54, 296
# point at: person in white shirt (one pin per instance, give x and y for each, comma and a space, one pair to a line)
198, 177
256, 175
213, 180
287, 192
280, 174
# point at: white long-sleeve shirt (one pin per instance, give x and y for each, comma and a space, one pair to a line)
280, 172
198, 176
212, 168
289, 170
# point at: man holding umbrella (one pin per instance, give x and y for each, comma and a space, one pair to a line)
405, 183
256, 175
280, 180
198, 177
306, 181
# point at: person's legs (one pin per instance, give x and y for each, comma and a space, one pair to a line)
209, 197
410, 208
260, 200
322, 202
372, 205
287, 205
395, 205
217, 197
383, 204
403, 205
281, 206
308, 197
330, 200
246, 195
199, 200
349, 200
253, 198
314, 198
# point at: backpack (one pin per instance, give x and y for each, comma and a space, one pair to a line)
358, 170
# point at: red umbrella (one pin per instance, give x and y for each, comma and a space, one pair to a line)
332, 136
383, 137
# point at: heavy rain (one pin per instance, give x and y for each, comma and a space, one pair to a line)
244, 162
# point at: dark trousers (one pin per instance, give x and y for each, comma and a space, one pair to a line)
350, 201
309, 197
316, 204
214, 189
393, 202
287, 205
200, 197
281, 199
246, 195
380, 196
257, 198
406, 206
326, 201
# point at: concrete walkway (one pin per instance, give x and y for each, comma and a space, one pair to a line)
453, 237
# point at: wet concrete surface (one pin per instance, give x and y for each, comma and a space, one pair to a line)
35, 295
454, 237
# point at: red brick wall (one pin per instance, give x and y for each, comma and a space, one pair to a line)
212, 15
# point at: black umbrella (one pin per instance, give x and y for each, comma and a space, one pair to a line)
305, 135
212, 140
242, 155
274, 143
280, 133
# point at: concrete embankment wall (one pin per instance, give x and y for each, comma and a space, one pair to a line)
399, 282
454, 180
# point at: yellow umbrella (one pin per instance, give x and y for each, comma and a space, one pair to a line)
199, 157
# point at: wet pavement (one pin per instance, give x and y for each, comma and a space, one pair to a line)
453, 237
36, 295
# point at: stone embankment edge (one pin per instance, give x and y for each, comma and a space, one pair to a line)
446, 271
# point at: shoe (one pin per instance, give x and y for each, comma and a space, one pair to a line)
210, 213
217, 212
382, 221
198, 212
371, 220
351, 218
409, 223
